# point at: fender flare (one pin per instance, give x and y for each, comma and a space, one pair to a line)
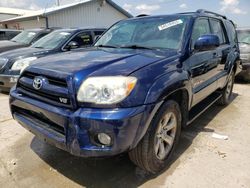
167, 85
173, 86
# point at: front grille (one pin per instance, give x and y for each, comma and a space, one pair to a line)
40, 119
52, 81
54, 91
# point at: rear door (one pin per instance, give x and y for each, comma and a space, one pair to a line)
203, 65
223, 51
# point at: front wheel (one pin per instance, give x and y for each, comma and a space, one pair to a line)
227, 91
155, 149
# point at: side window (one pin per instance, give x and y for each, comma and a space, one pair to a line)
218, 30
12, 34
39, 37
83, 39
201, 27
97, 34
232, 35
2, 35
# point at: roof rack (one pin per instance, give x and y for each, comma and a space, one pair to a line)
210, 12
142, 15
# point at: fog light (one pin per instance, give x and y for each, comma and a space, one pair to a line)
104, 139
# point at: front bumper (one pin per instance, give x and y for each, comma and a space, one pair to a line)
8, 81
75, 131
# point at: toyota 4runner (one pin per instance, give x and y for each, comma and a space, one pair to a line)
145, 79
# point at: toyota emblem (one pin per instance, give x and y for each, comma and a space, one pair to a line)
37, 83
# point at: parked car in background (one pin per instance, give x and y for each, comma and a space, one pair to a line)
244, 42
14, 61
143, 80
7, 34
24, 39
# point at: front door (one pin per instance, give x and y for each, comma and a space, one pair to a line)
202, 65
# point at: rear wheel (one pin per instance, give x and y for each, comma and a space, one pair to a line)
155, 149
227, 91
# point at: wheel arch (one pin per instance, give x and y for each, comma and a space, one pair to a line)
181, 96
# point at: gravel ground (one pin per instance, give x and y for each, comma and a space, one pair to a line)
200, 160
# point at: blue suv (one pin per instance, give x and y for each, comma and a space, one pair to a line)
145, 79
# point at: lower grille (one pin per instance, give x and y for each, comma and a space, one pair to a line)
40, 118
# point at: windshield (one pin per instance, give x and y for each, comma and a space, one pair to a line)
52, 40
244, 37
25, 37
153, 33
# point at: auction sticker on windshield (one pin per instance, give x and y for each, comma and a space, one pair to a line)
170, 24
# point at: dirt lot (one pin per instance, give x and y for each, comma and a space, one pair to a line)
200, 161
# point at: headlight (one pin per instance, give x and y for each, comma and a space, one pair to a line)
21, 64
106, 90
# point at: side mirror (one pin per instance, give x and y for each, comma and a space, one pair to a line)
207, 42
72, 45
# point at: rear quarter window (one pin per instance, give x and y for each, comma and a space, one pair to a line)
232, 35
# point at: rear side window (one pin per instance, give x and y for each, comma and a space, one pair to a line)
201, 27
217, 29
232, 35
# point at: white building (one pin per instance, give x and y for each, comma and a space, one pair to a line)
96, 13
8, 13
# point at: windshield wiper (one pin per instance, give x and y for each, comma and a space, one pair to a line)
137, 47
106, 46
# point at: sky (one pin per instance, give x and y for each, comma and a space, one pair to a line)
236, 10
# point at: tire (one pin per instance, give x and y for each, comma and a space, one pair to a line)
227, 91
148, 154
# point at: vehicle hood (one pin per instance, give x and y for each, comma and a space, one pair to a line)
23, 53
245, 48
99, 62
6, 45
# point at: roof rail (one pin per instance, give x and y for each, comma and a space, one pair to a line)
210, 12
